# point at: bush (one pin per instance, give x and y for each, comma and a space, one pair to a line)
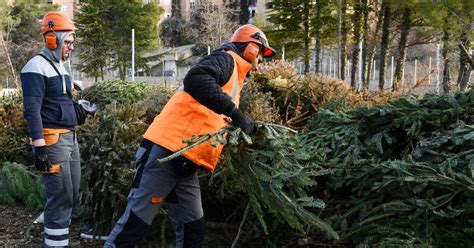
108, 144
14, 145
105, 92
20, 187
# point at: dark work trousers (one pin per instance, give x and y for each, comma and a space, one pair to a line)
174, 182
62, 189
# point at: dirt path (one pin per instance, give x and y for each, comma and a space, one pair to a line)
17, 230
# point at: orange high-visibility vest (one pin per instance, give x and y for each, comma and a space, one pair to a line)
182, 117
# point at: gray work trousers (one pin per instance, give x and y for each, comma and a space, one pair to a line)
62, 189
153, 185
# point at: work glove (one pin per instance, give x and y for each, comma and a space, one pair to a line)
84, 108
245, 123
42, 162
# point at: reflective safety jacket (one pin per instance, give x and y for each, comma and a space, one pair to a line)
183, 117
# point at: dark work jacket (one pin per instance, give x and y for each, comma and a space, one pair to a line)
45, 102
204, 80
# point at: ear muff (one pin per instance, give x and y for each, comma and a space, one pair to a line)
51, 40
251, 51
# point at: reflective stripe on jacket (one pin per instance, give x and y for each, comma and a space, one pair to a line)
183, 117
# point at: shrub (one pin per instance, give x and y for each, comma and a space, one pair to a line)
18, 186
14, 145
105, 92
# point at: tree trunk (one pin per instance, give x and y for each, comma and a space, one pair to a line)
244, 12
405, 26
365, 38
356, 20
307, 35
317, 48
339, 38
343, 39
384, 43
464, 66
372, 47
444, 53
6, 51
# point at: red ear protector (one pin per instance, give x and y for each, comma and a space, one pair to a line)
251, 51
50, 38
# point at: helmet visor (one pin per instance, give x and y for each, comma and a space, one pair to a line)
268, 52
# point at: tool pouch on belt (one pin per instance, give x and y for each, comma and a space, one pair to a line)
43, 162
183, 167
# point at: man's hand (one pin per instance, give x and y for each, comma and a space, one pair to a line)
42, 162
245, 123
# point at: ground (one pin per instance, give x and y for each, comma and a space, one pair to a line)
17, 230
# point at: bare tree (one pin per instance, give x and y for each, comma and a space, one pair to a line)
210, 24
344, 30
357, 25
317, 47
404, 27
384, 42
466, 64
7, 24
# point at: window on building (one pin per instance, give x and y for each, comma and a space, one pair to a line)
167, 2
193, 4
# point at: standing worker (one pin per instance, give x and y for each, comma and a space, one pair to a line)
210, 93
51, 120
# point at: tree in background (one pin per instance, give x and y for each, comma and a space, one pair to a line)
291, 21
384, 42
244, 12
26, 38
211, 25
323, 24
108, 25
94, 38
7, 24
173, 32
356, 33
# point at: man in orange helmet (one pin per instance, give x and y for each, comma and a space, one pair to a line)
210, 93
51, 119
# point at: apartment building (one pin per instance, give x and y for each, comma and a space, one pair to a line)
257, 8
68, 7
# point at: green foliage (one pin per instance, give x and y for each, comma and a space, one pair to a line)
27, 13
19, 187
273, 171
288, 25
108, 144
122, 92
106, 28
398, 171
388, 131
173, 32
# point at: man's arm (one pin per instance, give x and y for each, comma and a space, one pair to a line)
203, 82
33, 85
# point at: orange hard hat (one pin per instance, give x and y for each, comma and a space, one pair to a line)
251, 33
56, 21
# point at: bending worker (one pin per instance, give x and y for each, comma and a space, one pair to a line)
51, 121
211, 92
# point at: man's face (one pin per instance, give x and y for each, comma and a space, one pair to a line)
68, 47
